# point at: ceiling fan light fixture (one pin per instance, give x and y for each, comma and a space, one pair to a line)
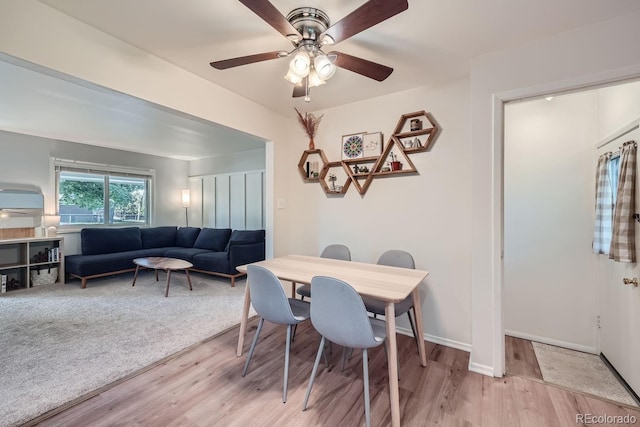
300, 64
292, 77
324, 67
314, 79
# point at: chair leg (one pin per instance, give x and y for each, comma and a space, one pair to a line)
293, 336
253, 346
344, 352
365, 376
286, 364
313, 374
326, 360
413, 328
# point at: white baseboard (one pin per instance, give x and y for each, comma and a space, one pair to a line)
551, 341
438, 340
480, 369
473, 367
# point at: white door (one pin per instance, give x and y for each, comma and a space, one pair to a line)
620, 303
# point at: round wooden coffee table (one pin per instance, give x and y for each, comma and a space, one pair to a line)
162, 263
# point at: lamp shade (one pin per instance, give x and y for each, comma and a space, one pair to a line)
314, 79
324, 67
186, 199
300, 64
293, 78
51, 220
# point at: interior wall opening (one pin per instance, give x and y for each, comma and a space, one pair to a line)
561, 302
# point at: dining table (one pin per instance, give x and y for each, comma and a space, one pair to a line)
386, 283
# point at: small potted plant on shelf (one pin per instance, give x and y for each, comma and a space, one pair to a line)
309, 123
332, 180
394, 163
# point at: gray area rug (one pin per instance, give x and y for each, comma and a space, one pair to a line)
580, 371
60, 342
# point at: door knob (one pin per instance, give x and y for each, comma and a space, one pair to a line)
633, 281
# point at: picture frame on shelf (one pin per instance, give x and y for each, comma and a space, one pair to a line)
352, 146
372, 144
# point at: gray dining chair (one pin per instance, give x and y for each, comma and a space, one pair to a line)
395, 258
339, 315
271, 303
333, 252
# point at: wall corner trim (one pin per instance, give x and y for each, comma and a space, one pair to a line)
481, 369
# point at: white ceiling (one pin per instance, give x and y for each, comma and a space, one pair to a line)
432, 42
40, 102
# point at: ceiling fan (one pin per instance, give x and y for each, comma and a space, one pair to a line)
309, 30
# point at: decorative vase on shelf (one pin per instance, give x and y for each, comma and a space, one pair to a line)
312, 145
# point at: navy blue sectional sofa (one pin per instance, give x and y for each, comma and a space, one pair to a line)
217, 251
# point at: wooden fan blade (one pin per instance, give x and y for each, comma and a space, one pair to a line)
272, 16
361, 66
369, 14
301, 89
244, 60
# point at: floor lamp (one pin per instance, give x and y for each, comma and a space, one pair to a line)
186, 202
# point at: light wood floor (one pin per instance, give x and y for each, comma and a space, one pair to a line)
204, 387
520, 358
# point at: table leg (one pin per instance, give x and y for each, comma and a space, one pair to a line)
135, 275
293, 289
244, 319
166, 294
417, 308
392, 361
156, 274
188, 279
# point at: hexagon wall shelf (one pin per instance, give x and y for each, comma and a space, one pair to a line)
414, 132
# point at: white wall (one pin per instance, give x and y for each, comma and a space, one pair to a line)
238, 162
550, 280
619, 106
26, 160
588, 55
427, 214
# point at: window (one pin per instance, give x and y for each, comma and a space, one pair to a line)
607, 220
614, 171
91, 194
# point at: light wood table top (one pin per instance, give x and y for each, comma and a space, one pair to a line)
378, 281
163, 263
389, 284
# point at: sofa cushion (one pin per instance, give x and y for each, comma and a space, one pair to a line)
245, 236
214, 239
88, 265
96, 241
186, 236
217, 262
158, 237
186, 254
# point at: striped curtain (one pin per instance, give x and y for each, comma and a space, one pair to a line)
623, 247
604, 206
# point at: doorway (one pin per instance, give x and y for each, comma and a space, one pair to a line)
553, 283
